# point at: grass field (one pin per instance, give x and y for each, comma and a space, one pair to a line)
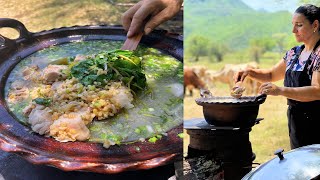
266, 137
39, 15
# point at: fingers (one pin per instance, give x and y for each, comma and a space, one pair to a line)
161, 17
236, 76
240, 76
139, 19
262, 88
157, 20
136, 18
244, 75
267, 88
128, 15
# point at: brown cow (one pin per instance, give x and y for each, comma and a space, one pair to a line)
191, 80
199, 70
225, 75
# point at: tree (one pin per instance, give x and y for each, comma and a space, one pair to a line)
197, 46
279, 39
218, 50
258, 47
314, 2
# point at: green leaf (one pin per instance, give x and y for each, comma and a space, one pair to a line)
43, 101
153, 139
180, 135
118, 65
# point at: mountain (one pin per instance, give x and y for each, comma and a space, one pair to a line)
232, 22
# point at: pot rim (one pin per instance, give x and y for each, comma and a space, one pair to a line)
244, 100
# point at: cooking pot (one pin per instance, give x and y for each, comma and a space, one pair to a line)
300, 163
85, 156
230, 111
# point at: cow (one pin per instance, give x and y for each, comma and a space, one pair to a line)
192, 80
225, 75
199, 70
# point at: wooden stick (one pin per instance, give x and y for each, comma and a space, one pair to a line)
132, 42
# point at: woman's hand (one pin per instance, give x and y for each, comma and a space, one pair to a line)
148, 14
269, 89
240, 75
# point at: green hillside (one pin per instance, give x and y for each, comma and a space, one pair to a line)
232, 22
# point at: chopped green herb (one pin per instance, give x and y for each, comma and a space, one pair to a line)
153, 139
164, 118
43, 101
111, 137
103, 136
117, 65
137, 130
95, 128
180, 135
174, 101
142, 130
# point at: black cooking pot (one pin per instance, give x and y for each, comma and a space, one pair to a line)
86, 156
300, 163
230, 111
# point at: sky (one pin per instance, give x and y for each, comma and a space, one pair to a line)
273, 5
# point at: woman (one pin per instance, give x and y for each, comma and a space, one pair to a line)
301, 73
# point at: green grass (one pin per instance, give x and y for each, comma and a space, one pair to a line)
39, 15
266, 137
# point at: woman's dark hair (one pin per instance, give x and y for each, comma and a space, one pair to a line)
311, 12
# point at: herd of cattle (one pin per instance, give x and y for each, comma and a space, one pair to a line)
201, 77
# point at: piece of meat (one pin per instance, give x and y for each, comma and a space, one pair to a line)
76, 111
80, 57
123, 97
237, 91
18, 84
27, 110
40, 119
29, 71
18, 95
53, 72
56, 85
69, 127
72, 126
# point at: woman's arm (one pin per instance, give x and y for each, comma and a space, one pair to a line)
276, 73
306, 93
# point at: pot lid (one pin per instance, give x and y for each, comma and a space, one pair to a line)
300, 163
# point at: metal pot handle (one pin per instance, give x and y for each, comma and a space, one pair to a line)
15, 24
261, 97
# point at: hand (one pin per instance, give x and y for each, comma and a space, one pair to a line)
148, 14
269, 89
240, 75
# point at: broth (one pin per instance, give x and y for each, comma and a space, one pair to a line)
157, 109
